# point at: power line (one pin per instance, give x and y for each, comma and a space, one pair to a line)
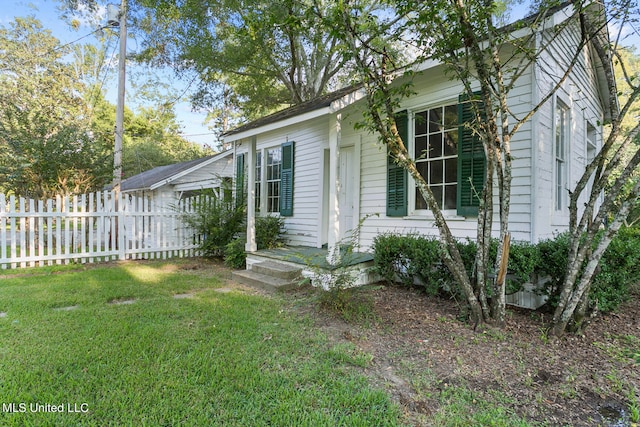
198, 134
77, 40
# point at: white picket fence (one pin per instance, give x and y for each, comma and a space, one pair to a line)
93, 228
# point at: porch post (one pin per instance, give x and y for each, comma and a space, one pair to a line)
334, 223
251, 245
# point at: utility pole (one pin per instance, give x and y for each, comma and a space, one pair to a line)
117, 149
119, 21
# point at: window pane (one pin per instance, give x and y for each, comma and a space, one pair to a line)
451, 116
420, 203
450, 195
420, 125
421, 147
423, 167
435, 172
435, 145
435, 120
451, 171
451, 143
437, 192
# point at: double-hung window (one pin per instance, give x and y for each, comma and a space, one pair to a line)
436, 153
560, 149
273, 166
449, 154
273, 179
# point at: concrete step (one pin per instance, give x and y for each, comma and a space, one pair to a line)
277, 269
263, 281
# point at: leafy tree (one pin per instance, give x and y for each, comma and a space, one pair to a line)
56, 127
47, 146
253, 56
270, 53
152, 139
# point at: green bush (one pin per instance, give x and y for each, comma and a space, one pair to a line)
406, 258
234, 254
269, 232
217, 222
619, 271
524, 258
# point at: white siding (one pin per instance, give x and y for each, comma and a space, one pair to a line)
580, 93
208, 176
310, 138
435, 89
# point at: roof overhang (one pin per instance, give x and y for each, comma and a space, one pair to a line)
334, 106
180, 174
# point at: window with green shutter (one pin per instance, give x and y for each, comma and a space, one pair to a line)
286, 179
396, 175
448, 155
471, 161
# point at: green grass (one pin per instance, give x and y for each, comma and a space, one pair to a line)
214, 359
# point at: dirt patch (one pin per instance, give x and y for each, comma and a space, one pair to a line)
420, 348
66, 308
122, 301
184, 296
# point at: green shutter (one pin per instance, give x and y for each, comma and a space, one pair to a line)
286, 179
240, 173
471, 161
397, 175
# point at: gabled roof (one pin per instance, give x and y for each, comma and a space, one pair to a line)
321, 103
161, 175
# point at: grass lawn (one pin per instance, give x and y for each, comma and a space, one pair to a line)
111, 345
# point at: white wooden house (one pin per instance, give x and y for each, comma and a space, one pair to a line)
172, 181
310, 165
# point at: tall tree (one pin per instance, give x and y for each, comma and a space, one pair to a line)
45, 133
153, 139
270, 53
488, 60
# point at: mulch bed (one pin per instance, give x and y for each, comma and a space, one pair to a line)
575, 380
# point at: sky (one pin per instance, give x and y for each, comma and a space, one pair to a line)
46, 11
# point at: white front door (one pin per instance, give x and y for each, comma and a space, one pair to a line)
347, 195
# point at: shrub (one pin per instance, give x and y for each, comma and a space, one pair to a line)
234, 254
218, 222
269, 232
406, 258
619, 270
524, 259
